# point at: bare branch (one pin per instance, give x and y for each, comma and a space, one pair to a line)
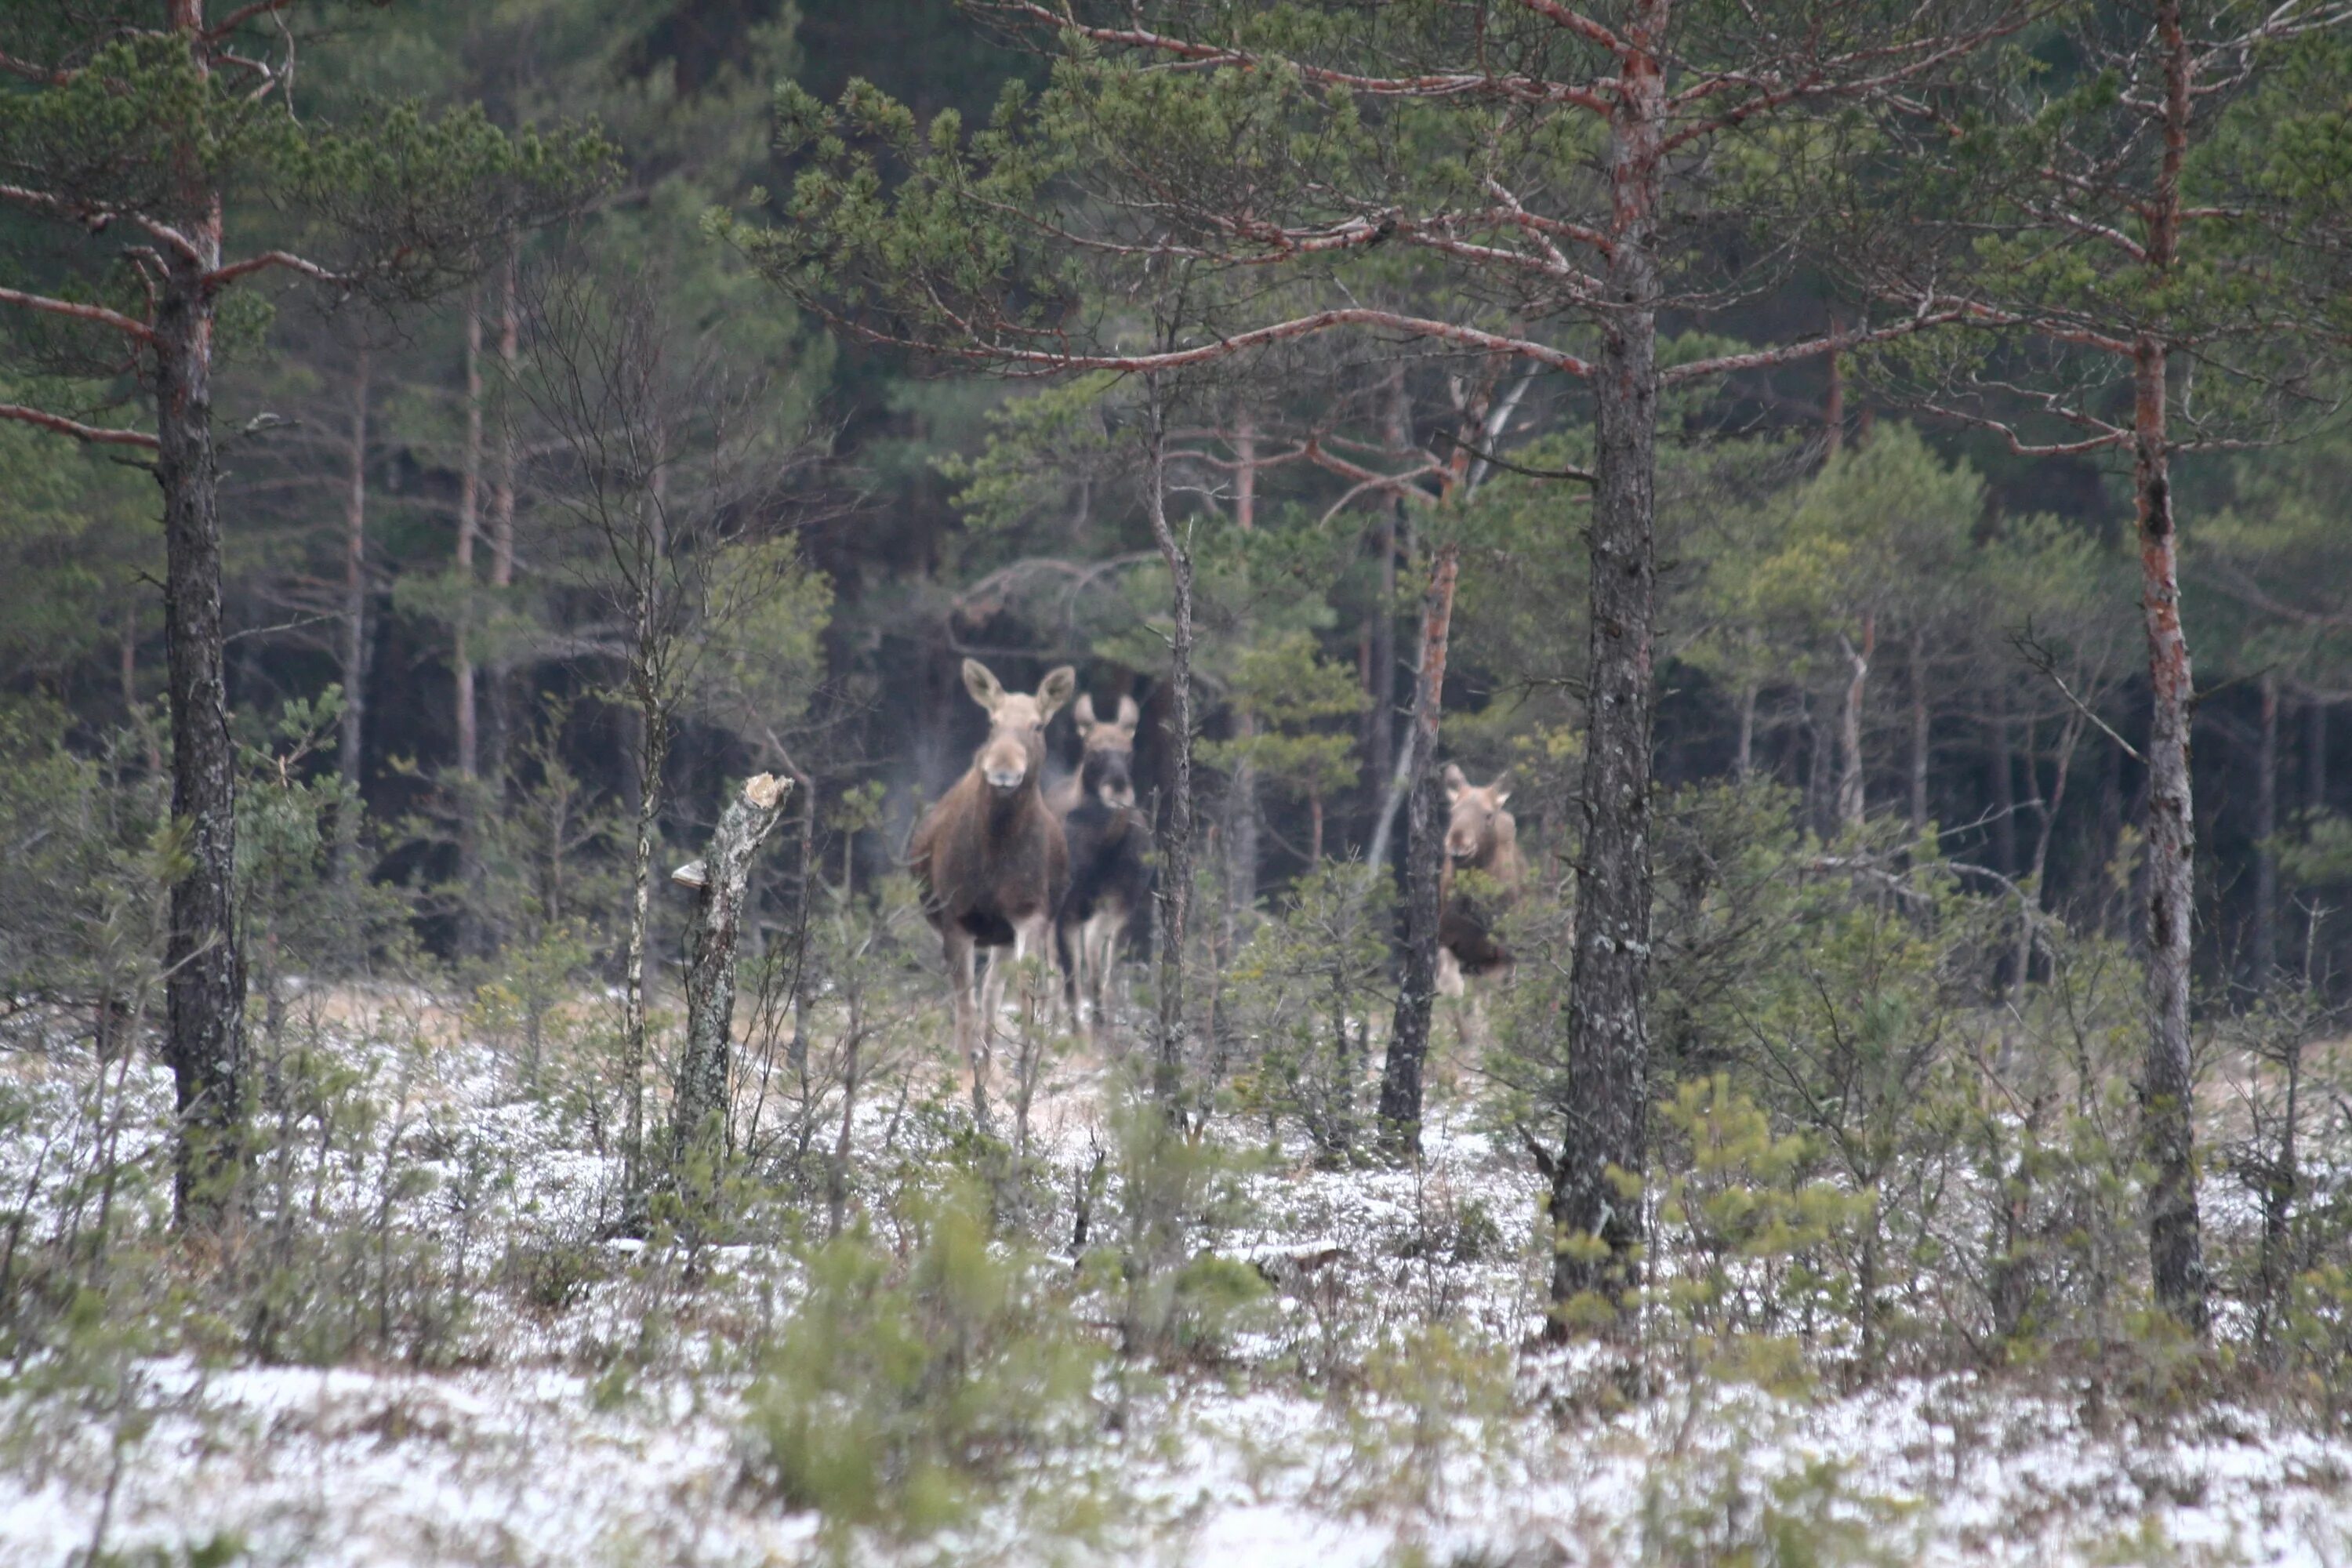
96, 435
221, 277
98, 314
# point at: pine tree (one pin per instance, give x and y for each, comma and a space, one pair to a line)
141, 152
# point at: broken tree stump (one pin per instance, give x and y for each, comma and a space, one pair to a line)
698, 1114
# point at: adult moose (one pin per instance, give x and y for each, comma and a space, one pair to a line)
991, 860
1110, 859
1481, 837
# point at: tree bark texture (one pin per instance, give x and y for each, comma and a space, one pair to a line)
1425, 826
205, 997
2003, 771
349, 758
2314, 755
1853, 805
1174, 884
698, 1110
470, 936
2266, 825
1919, 734
503, 484
2176, 1252
1607, 1111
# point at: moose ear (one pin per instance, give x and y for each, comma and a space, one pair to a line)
1083, 714
1055, 690
1502, 798
1456, 781
1129, 715
985, 688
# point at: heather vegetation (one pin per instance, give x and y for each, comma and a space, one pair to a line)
1420, 782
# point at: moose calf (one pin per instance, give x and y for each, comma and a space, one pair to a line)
1111, 860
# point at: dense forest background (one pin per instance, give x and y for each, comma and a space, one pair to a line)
344, 522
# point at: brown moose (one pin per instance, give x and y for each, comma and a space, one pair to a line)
1483, 838
991, 860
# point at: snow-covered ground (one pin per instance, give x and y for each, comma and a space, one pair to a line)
522, 1446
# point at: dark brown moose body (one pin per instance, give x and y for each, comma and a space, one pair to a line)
992, 862
1111, 860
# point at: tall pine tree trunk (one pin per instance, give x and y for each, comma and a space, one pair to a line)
1379, 664
1919, 735
1175, 889
2002, 771
1607, 1130
502, 509
2314, 756
470, 936
1425, 824
2175, 1250
2266, 765
1743, 756
353, 652
204, 995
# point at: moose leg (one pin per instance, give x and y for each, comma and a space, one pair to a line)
970, 1040
1031, 941
1101, 945
1449, 973
1069, 956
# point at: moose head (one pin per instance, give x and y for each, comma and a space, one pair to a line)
1107, 771
1478, 817
1009, 760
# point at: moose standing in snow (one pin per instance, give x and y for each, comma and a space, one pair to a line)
991, 860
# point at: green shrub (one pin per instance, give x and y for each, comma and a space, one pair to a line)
902, 1395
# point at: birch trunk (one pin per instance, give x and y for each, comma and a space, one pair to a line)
2175, 1250
721, 878
1851, 804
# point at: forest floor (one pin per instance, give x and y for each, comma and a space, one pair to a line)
528, 1441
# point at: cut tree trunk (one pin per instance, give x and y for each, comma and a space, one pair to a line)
1425, 824
205, 997
721, 878
1605, 1140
